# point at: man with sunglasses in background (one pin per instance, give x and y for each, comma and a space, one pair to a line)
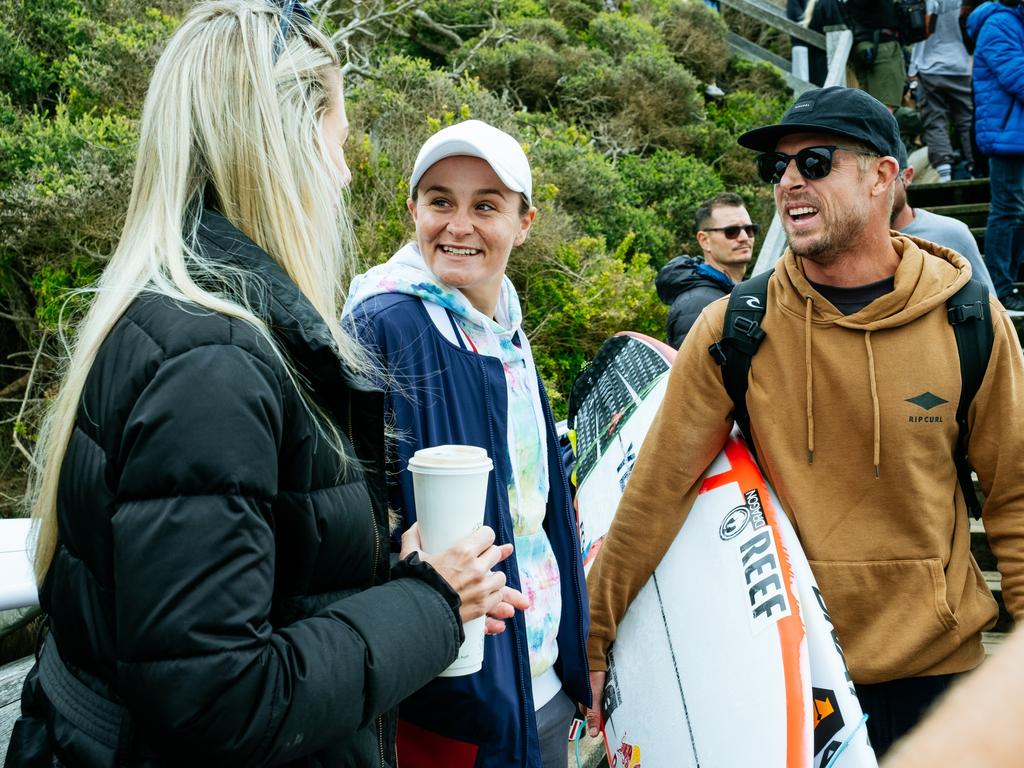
725, 235
852, 402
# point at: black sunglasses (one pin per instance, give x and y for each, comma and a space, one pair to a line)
731, 233
289, 8
812, 162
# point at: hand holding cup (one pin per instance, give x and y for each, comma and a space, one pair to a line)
450, 490
466, 566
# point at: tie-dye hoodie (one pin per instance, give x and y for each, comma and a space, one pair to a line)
500, 337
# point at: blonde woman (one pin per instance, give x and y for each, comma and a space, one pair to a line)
447, 324
213, 550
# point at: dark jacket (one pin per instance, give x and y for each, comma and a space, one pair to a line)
449, 394
688, 285
998, 32
218, 572
865, 16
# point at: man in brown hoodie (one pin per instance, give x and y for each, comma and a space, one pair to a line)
852, 399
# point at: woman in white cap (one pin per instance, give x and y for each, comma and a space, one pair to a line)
446, 322
209, 484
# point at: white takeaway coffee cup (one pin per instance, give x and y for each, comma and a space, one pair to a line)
450, 487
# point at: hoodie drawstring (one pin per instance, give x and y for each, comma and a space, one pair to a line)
809, 376
874, 403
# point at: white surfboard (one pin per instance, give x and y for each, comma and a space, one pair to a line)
612, 406
726, 657
17, 580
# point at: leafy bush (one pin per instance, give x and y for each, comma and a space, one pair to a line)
35, 38
671, 186
608, 105
619, 35
64, 185
696, 36
112, 70
647, 101
575, 295
527, 71
576, 15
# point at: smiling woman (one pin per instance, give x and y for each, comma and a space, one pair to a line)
446, 322
467, 222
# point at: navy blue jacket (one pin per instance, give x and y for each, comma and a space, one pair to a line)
998, 78
688, 285
444, 394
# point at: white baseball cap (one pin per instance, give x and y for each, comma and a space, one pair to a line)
475, 138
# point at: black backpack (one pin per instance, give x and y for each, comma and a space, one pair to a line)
969, 314
911, 21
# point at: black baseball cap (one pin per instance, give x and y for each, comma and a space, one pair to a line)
848, 112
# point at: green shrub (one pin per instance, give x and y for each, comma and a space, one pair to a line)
527, 71
112, 71
575, 295
64, 184
584, 182
671, 186
696, 36
35, 37
647, 101
576, 15
619, 35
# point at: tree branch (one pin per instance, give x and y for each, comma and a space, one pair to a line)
24, 402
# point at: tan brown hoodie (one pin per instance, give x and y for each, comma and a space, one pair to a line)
854, 419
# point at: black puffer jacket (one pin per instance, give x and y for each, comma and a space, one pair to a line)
688, 285
217, 571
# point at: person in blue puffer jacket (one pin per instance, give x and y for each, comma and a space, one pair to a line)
998, 31
447, 324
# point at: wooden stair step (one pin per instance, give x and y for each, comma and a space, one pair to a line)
971, 214
953, 193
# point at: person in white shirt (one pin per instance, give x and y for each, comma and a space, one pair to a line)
942, 67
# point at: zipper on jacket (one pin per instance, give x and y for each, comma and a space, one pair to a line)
380, 740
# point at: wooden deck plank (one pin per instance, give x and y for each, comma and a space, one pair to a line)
11, 678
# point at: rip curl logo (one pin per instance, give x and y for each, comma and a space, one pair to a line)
926, 401
754, 302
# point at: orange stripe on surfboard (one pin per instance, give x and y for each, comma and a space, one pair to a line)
744, 471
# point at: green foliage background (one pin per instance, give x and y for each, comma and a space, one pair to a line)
609, 105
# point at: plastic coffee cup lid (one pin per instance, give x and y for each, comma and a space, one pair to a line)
450, 458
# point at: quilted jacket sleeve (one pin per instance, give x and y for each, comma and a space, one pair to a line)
1001, 42
686, 309
198, 659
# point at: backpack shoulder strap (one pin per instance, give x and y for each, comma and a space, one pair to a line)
741, 336
971, 317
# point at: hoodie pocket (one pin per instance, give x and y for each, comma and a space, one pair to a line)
892, 616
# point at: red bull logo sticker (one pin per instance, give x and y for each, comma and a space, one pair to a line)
626, 756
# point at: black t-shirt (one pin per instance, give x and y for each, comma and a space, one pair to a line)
851, 300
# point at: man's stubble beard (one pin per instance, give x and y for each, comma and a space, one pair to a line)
826, 249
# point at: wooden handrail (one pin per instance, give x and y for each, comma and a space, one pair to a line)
770, 14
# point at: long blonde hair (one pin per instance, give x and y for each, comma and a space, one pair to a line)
225, 112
